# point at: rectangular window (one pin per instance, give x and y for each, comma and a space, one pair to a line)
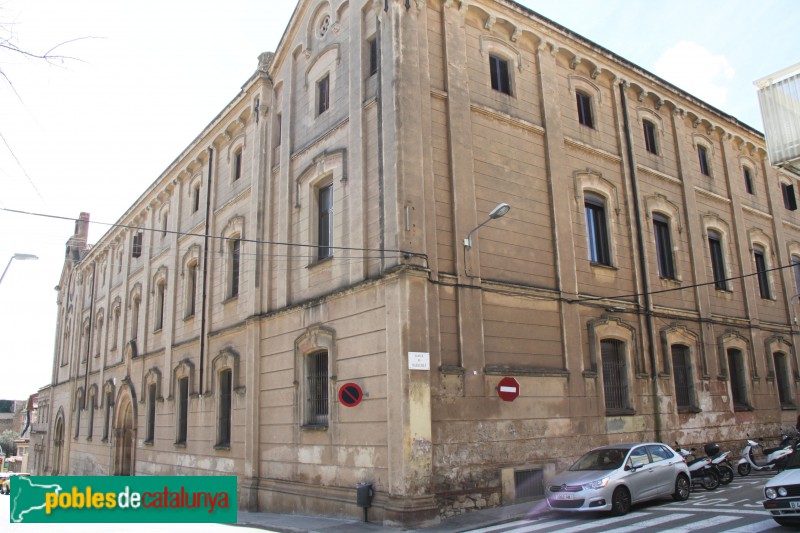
90, 429
276, 133
183, 410
585, 115
761, 269
237, 165
702, 156
325, 222
782, 377
191, 289
151, 413
317, 389
789, 198
682, 375
107, 416
159, 307
717, 261
738, 385
78, 408
373, 56
748, 181
615, 381
650, 137
666, 266
164, 223
597, 233
236, 246
135, 319
196, 199
323, 95
136, 249
501, 81
224, 421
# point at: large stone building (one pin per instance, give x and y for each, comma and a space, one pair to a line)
313, 235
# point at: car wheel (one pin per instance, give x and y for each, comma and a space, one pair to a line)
744, 469
682, 488
710, 480
725, 474
620, 501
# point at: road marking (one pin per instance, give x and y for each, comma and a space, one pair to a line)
641, 526
593, 524
711, 522
510, 526
755, 528
701, 510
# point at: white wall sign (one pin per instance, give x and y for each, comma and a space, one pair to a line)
419, 361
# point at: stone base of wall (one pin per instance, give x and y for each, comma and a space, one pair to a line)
276, 496
454, 505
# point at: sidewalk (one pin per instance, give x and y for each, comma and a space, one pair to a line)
286, 523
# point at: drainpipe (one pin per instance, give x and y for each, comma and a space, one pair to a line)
206, 238
379, 97
651, 348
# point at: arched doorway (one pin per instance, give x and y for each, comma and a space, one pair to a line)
124, 437
58, 446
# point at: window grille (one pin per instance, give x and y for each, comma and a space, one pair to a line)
615, 380
151, 413
737, 377
224, 422
528, 484
317, 389
682, 375
183, 410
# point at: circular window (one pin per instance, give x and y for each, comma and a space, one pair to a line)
325, 25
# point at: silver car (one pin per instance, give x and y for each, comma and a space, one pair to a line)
612, 478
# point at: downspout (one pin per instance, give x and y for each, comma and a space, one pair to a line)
206, 238
651, 348
379, 97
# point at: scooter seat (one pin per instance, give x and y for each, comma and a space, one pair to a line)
694, 461
769, 451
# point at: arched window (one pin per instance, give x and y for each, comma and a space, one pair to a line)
225, 410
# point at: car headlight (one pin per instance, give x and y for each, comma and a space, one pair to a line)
782, 492
599, 484
771, 493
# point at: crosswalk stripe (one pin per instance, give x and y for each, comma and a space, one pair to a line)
755, 528
584, 525
641, 526
506, 526
548, 525
711, 522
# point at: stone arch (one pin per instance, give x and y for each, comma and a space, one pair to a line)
125, 417
58, 443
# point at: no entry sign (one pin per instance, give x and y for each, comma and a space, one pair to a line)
508, 389
350, 394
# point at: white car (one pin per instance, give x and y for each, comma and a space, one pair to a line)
782, 494
612, 478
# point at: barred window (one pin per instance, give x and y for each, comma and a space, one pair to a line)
615, 380
225, 411
682, 374
151, 413
737, 377
183, 410
317, 389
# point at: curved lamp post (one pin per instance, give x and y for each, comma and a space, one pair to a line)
498, 212
18, 257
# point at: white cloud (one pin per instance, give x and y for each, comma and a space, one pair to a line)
698, 71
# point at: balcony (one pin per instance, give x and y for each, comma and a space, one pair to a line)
779, 96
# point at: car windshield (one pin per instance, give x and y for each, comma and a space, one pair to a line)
603, 459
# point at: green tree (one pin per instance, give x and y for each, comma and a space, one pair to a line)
7, 439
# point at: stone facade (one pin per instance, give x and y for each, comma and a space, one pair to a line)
313, 235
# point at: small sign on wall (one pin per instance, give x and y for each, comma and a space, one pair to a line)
419, 361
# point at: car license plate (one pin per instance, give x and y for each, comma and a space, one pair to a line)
569, 497
794, 505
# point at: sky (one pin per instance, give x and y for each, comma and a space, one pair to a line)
138, 81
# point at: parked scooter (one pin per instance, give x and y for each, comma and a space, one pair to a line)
775, 458
702, 471
721, 461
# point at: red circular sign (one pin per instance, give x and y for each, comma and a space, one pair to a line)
508, 389
350, 394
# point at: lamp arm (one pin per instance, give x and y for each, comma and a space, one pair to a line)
6, 269
468, 240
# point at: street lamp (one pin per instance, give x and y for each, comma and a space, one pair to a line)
498, 212
18, 257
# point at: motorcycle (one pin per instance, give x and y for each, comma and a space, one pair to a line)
774, 458
721, 461
701, 470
